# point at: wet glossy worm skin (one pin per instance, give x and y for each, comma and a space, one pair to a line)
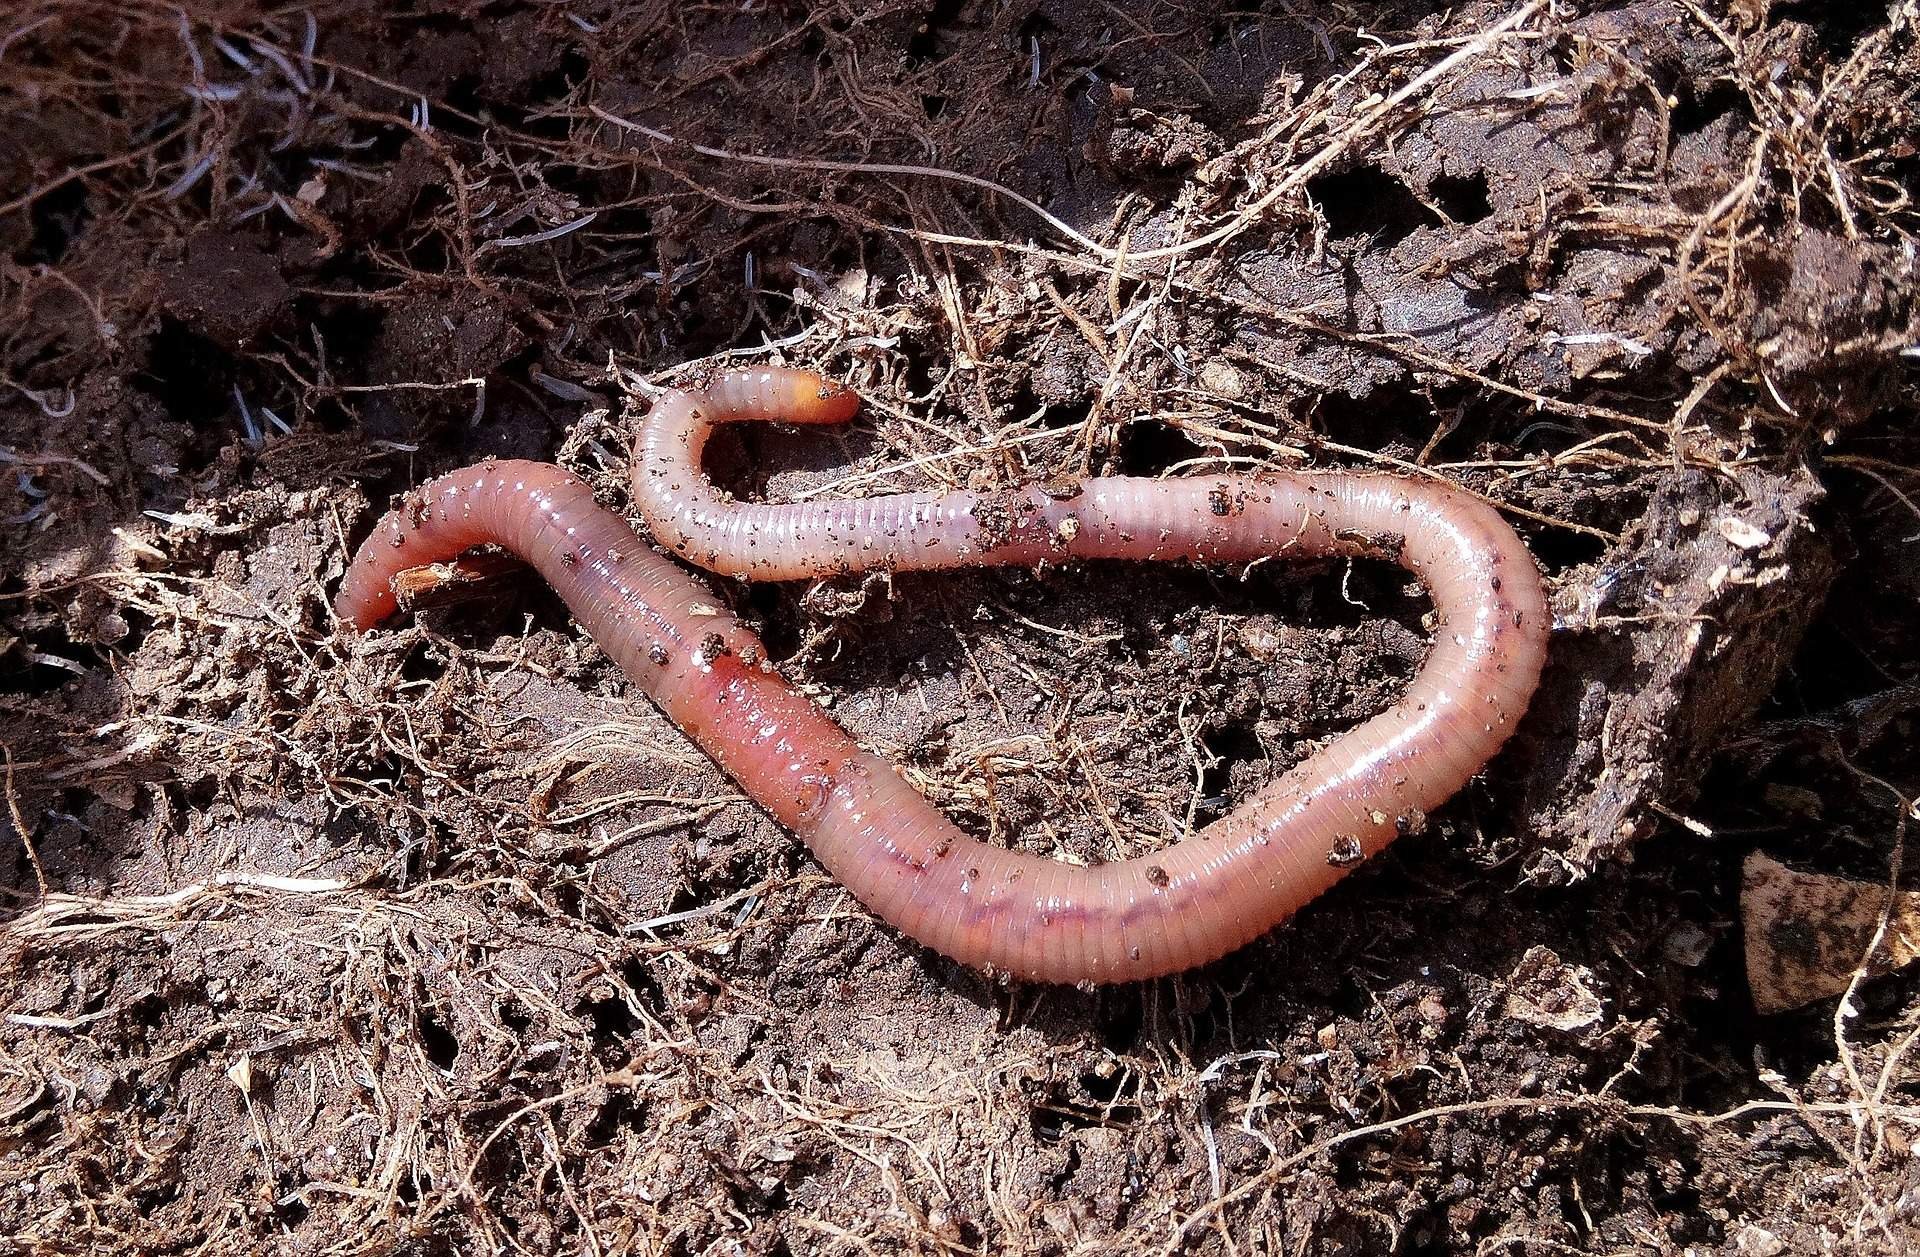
984, 905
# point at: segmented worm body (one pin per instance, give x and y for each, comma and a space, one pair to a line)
984, 905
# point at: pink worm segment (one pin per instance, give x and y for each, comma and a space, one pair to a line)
1031, 916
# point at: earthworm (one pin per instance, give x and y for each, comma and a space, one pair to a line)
993, 908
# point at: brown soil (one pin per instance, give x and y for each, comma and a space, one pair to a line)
438, 942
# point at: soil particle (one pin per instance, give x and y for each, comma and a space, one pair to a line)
1820, 314
1721, 622
1136, 143
227, 288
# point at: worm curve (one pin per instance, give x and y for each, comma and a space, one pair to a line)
989, 907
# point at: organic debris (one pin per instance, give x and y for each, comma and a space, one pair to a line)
1811, 937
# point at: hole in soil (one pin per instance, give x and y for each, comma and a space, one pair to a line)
639, 980
1049, 1125
924, 45
1369, 202
153, 1101
1383, 420
57, 219
1033, 26
1233, 745
1560, 548
1122, 1015
464, 95
1836, 663
153, 1199
20, 675
75, 799
568, 900
933, 106
776, 618
693, 320
1698, 112
1070, 417
1121, 1084
917, 377
550, 89
388, 142
1682, 1198
619, 1113
612, 1019
1147, 448
1463, 198
613, 1016
187, 373
1840, 25
1053, 1119
347, 328
442, 1048
685, 899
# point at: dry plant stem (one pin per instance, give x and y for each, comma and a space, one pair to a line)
981, 904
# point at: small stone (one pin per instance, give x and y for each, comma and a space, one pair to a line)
1223, 379
1346, 851
1756, 1241
1687, 944
1807, 933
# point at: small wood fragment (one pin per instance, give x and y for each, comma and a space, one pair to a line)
471, 575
